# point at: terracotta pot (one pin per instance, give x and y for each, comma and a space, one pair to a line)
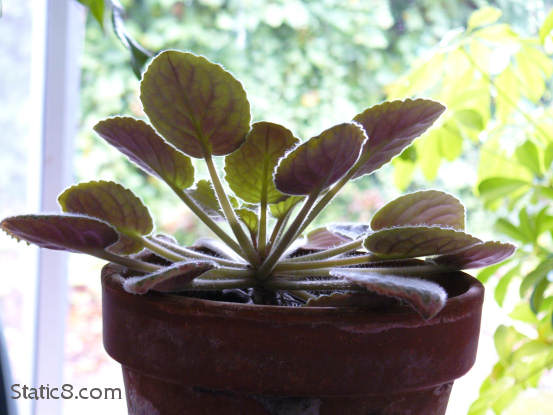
188, 356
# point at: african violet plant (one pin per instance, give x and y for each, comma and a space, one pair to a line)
199, 110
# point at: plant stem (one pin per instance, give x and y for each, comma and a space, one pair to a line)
412, 270
190, 253
209, 222
329, 253
163, 252
262, 233
277, 230
267, 266
226, 272
130, 263
326, 263
323, 285
221, 284
230, 215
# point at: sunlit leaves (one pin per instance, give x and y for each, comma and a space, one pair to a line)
61, 232
495, 188
320, 161
249, 170
426, 297
392, 126
483, 16
248, 218
527, 155
196, 105
173, 278
477, 256
280, 209
97, 9
138, 141
427, 207
546, 27
204, 195
114, 204
415, 241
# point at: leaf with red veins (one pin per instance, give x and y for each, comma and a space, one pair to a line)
73, 233
477, 256
142, 145
322, 238
427, 207
426, 297
321, 161
392, 126
249, 170
195, 104
114, 204
173, 278
418, 241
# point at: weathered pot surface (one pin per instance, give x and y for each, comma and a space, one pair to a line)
189, 356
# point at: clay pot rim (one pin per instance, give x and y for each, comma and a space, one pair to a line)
472, 291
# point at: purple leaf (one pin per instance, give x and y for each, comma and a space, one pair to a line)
320, 161
322, 238
195, 104
249, 170
334, 235
392, 126
169, 279
477, 256
62, 232
114, 204
139, 141
425, 297
418, 241
427, 207
204, 196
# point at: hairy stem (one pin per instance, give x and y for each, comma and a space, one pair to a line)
412, 270
209, 222
134, 264
262, 233
230, 215
329, 253
267, 266
326, 263
323, 285
163, 252
277, 230
190, 253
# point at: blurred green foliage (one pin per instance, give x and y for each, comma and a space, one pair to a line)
496, 83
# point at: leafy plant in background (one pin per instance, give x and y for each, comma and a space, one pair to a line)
495, 84
203, 112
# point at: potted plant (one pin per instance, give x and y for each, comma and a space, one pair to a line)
350, 318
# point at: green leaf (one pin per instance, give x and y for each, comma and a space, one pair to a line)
249, 218
505, 227
139, 54
548, 156
495, 188
97, 8
415, 241
196, 105
522, 312
535, 276
503, 284
483, 16
428, 153
527, 155
484, 275
391, 127
173, 278
204, 196
249, 170
426, 297
142, 145
546, 27
427, 207
403, 173
280, 209
505, 339
71, 233
507, 81
536, 299
114, 204
321, 161
477, 256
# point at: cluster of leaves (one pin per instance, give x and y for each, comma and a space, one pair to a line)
495, 84
201, 111
304, 63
